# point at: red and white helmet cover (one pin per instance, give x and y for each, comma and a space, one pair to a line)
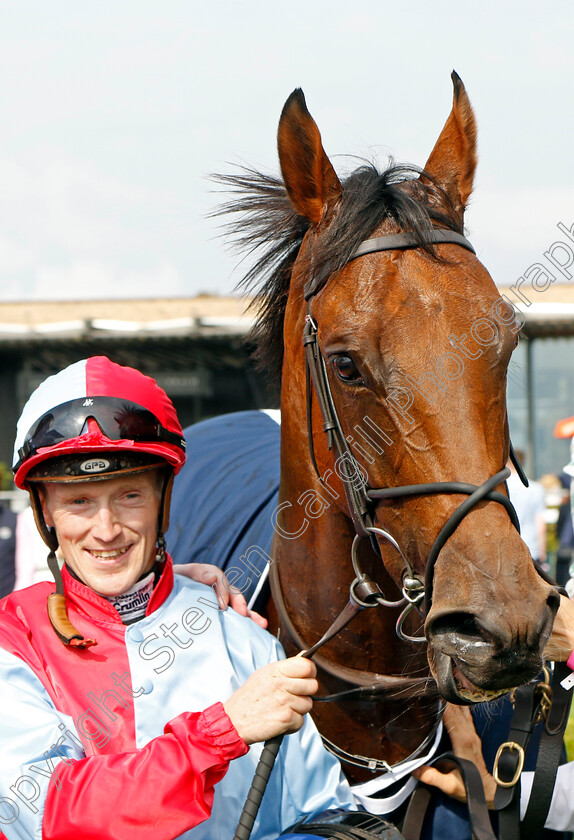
97, 377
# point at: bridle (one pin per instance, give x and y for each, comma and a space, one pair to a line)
359, 496
364, 592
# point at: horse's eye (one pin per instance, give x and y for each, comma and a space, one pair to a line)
346, 369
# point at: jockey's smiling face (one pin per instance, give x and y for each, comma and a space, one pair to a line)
107, 530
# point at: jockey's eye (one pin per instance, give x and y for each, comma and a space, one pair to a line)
346, 369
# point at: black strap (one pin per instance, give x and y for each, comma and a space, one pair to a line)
531, 702
355, 495
549, 753
477, 810
408, 240
392, 242
416, 812
510, 761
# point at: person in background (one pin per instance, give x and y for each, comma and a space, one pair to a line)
31, 565
564, 535
564, 527
529, 503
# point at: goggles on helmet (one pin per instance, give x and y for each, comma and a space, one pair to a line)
117, 419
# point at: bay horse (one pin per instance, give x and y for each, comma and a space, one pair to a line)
391, 343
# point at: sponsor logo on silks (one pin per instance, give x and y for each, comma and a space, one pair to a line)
95, 465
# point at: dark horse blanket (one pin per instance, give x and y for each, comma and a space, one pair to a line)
224, 497
221, 513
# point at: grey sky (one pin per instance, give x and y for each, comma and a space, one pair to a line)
113, 113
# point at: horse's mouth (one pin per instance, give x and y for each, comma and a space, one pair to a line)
455, 687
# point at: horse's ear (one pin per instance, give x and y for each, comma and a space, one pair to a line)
310, 180
452, 162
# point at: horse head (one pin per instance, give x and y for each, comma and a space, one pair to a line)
414, 341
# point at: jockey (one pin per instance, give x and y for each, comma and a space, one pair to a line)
132, 706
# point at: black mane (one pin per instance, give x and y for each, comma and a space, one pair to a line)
266, 224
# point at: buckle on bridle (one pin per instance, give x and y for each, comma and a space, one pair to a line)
512, 747
543, 690
309, 320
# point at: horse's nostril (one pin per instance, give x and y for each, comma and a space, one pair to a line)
467, 638
460, 637
461, 624
553, 601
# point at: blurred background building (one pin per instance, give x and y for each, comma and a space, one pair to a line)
198, 351
541, 378
196, 348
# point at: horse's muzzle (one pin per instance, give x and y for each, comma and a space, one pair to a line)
474, 658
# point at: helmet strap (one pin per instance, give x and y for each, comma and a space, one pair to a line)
47, 534
57, 610
54, 567
161, 546
58, 613
163, 515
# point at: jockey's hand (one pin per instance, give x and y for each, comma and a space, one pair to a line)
561, 642
212, 576
465, 744
274, 699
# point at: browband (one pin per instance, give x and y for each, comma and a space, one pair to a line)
391, 242
408, 240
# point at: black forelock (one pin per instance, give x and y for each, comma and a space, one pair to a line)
266, 226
